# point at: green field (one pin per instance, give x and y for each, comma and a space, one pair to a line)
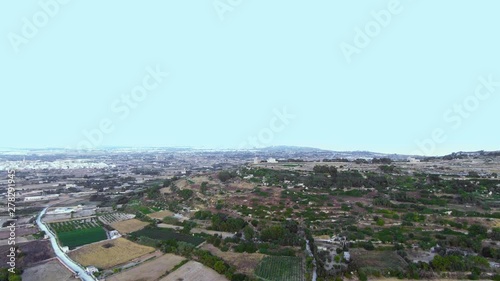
280, 268
136, 206
166, 234
81, 237
77, 233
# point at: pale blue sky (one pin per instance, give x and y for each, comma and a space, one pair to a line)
228, 77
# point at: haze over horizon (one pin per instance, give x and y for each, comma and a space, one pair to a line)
177, 74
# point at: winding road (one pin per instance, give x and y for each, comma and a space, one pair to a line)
82, 274
309, 252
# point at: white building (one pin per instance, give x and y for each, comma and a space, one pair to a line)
40, 198
272, 160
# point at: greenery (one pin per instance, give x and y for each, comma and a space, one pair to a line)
280, 268
164, 234
79, 232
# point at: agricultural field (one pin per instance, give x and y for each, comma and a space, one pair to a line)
49, 271
166, 234
151, 270
243, 262
128, 226
115, 217
377, 261
108, 254
136, 206
80, 232
281, 268
160, 215
30, 253
4, 234
194, 271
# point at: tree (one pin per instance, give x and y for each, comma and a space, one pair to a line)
473, 174
4, 274
15, 277
185, 193
225, 176
249, 232
220, 267
478, 231
495, 234
204, 187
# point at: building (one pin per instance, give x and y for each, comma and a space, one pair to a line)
91, 270
272, 160
40, 198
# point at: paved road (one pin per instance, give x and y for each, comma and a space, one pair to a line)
62, 256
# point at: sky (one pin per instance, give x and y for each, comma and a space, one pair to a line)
409, 77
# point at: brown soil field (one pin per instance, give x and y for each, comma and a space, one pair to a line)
149, 271
128, 226
20, 231
244, 262
33, 252
107, 254
166, 190
194, 271
379, 260
161, 215
49, 271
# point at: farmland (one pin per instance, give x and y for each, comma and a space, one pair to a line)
243, 262
280, 268
108, 254
136, 206
151, 270
160, 215
48, 271
80, 232
377, 261
28, 253
194, 271
115, 217
166, 234
128, 226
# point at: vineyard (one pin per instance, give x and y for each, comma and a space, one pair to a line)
280, 268
115, 217
80, 232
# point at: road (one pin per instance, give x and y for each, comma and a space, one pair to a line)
309, 252
82, 274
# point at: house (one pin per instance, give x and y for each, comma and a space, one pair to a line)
272, 160
91, 270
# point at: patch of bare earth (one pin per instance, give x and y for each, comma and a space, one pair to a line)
161, 215
151, 270
244, 262
109, 253
128, 226
49, 271
194, 271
